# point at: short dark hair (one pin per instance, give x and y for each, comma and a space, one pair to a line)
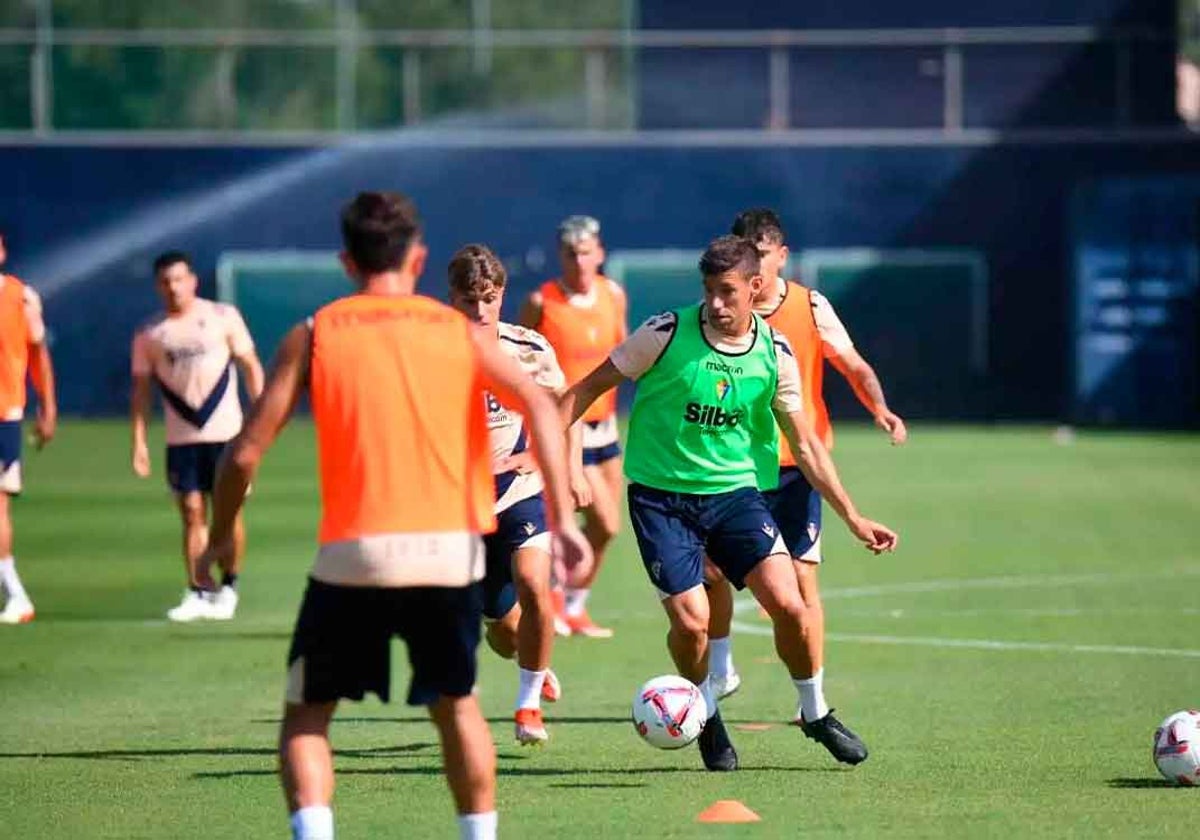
378, 228
759, 224
474, 269
730, 253
168, 258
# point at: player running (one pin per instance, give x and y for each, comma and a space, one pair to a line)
188, 350
23, 352
815, 333
397, 383
713, 380
517, 604
582, 315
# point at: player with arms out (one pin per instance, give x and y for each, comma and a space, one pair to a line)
397, 384
517, 605
713, 380
815, 334
582, 315
23, 354
189, 350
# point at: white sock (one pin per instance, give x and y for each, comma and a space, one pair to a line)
710, 698
313, 823
11, 581
812, 696
529, 691
720, 656
477, 826
576, 601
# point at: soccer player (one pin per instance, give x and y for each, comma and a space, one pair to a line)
582, 315
517, 605
189, 350
713, 380
397, 384
815, 333
23, 352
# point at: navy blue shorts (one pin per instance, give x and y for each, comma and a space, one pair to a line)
10, 457
599, 454
514, 527
796, 506
341, 647
191, 467
675, 530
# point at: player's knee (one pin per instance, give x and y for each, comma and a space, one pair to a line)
787, 607
192, 512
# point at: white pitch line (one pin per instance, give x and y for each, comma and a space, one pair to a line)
984, 644
1005, 582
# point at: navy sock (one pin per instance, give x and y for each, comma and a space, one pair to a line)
229, 579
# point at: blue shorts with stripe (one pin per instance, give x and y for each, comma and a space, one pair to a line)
796, 506
675, 530
515, 526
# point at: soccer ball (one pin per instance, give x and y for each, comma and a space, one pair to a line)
669, 712
1177, 748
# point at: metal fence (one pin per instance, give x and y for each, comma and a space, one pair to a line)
239, 84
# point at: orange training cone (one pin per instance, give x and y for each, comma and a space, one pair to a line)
727, 811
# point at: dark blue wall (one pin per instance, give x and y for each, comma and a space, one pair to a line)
85, 223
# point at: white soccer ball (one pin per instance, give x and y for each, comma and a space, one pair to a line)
1177, 748
669, 712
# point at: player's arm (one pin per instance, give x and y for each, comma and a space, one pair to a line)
139, 413
41, 372
813, 458
839, 349
241, 347
239, 463
504, 377
586, 391
867, 387
140, 397
815, 462
41, 369
530, 313
252, 372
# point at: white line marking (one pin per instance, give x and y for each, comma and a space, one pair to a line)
983, 644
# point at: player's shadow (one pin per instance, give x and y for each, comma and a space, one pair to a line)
1140, 783
185, 752
504, 770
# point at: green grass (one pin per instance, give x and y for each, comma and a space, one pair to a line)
114, 724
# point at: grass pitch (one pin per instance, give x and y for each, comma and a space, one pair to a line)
1007, 666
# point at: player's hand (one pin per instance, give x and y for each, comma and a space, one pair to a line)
45, 427
581, 490
522, 463
893, 425
571, 548
141, 461
876, 537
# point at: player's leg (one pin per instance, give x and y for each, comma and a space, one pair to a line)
18, 608
441, 629
672, 548
724, 676
306, 769
601, 521
193, 514
224, 601
339, 649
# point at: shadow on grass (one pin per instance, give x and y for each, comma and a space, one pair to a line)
598, 785
1141, 783
436, 770
184, 752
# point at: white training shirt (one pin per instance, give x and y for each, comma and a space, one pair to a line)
506, 427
